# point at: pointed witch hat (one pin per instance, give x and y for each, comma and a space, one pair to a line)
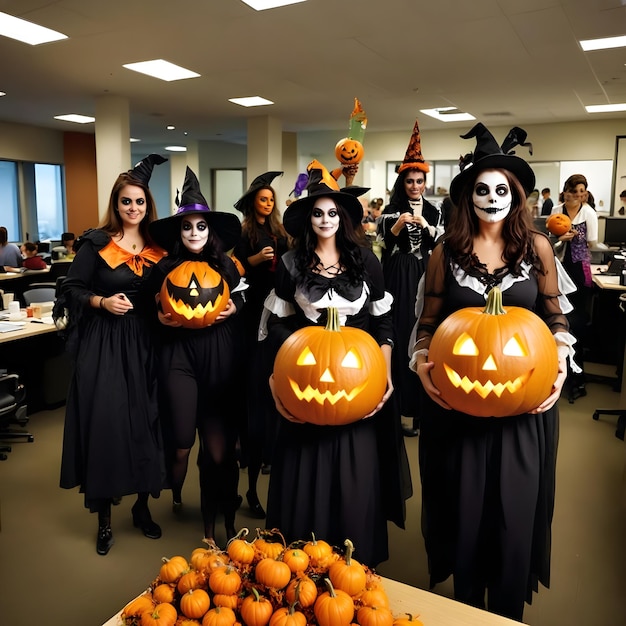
246, 202
166, 231
489, 155
322, 184
143, 170
413, 159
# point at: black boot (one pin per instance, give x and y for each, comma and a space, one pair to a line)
104, 540
256, 509
142, 518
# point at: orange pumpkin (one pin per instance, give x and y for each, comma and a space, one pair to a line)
374, 616
330, 376
302, 590
288, 616
225, 580
190, 580
266, 548
558, 224
409, 620
256, 610
161, 615
349, 151
228, 601
164, 593
138, 606
194, 294
493, 362
333, 607
319, 551
240, 550
172, 569
195, 603
219, 616
374, 595
348, 574
296, 559
272, 573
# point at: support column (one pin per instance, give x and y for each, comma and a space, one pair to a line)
112, 144
265, 148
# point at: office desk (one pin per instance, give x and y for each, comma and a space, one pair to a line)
8, 276
31, 329
432, 610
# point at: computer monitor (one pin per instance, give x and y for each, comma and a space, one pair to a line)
615, 232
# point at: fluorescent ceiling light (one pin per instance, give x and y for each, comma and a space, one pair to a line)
252, 101
261, 5
76, 118
133, 140
448, 114
2, 93
606, 108
27, 32
176, 148
604, 43
164, 70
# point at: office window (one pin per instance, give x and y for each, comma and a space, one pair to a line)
50, 201
8, 200
437, 180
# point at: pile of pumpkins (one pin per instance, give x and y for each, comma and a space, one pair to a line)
264, 582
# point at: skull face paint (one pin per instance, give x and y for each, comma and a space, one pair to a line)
491, 196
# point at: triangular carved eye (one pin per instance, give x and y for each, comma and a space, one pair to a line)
514, 347
306, 358
351, 360
465, 346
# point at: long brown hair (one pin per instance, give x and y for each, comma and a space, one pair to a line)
518, 230
112, 224
272, 221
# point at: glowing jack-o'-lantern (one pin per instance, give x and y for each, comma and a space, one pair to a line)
493, 362
558, 224
194, 294
333, 375
349, 151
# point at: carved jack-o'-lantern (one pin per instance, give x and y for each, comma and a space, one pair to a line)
194, 293
332, 375
493, 362
349, 151
558, 224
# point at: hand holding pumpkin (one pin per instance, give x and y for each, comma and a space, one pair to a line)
280, 407
423, 371
230, 309
553, 398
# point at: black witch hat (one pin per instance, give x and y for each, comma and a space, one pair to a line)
260, 182
143, 170
489, 155
166, 231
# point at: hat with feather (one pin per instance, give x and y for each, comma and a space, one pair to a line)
489, 155
166, 231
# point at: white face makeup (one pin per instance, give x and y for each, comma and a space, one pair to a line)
414, 184
491, 196
325, 218
131, 205
194, 232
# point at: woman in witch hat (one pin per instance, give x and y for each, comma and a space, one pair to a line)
112, 443
488, 484
199, 367
335, 481
263, 241
408, 227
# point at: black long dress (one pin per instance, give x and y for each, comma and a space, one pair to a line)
337, 481
112, 442
488, 484
404, 261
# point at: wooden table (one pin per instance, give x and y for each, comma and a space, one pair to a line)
31, 328
432, 610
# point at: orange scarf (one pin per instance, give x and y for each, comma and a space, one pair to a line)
114, 256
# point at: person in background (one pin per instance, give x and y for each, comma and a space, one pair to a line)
488, 485
199, 367
68, 240
409, 228
334, 481
572, 249
622, 198
31, 260
263, 242
10, 255
532, 203
112, 443
546, 207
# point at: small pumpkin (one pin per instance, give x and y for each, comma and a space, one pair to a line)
190, 580
319, 551
195, 603
194, 294
296, 559
330, 375
164, 593
374, 595
219, 616
288, 616
225, 580
348, 574
172, 569
558, 224
266, 548
374, 616
272, 573
349, 151
256, 609
240, 550
138, 606
409, 620
333, 607
303, 590
229, 601
493, 362
163, 614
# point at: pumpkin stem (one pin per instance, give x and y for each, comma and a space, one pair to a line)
349, 550
494, 303
240, 535
257, 597
329, 586
332, 322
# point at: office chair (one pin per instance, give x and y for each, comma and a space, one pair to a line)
61, 268
13, 408
39, 294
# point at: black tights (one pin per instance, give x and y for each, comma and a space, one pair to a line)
102, 506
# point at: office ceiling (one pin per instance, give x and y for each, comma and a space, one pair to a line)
508, 62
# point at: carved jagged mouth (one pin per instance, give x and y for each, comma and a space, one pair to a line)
484, 389
189, 312
309, 394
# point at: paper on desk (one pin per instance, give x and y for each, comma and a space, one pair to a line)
7, 327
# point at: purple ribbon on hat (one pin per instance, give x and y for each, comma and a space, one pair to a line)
188, 208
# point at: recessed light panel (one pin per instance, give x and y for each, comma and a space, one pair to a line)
252, 101
164, 70
176, 148
262, 5
76, 118
606, 108
604, 43
448, 114
27, 32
